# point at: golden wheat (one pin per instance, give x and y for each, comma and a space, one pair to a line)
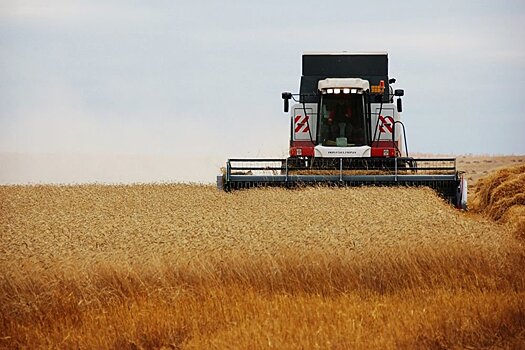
187, 266
141, 223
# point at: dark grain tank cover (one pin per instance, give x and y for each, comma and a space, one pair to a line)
345, 65
317, 66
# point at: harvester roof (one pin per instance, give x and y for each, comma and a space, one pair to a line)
342, 83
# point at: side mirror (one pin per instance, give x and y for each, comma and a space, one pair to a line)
399, 92
286, 97
399, 105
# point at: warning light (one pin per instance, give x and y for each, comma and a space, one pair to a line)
378, 89
382, 84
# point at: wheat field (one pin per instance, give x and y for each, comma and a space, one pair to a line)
179, 266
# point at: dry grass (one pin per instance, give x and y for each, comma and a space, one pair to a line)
501, 196
185, 266
478, 166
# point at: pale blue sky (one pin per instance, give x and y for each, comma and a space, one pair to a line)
203, 79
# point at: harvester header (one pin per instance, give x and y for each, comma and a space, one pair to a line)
346, 130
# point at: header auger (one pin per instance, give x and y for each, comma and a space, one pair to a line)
346, 130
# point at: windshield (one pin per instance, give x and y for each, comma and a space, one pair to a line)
342, 121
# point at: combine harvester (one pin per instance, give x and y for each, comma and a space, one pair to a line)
346, 130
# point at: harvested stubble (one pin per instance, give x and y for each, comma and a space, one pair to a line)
186, 266
501, 196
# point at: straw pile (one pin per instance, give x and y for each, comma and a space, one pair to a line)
501, 197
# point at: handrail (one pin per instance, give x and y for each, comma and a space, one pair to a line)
395, 165
395, 171
341, 169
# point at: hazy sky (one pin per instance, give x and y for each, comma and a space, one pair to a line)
203, 79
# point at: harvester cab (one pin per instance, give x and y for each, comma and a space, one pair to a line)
346, 130
339, 123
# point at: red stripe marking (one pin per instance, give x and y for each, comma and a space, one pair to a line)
301, 124
386, 122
